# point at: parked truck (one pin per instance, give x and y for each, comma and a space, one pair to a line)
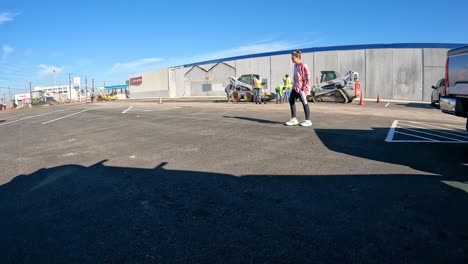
455, 101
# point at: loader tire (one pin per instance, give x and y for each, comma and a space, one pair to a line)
248, 97
235, 97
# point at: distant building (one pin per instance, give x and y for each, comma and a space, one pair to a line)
59, 91
22, 99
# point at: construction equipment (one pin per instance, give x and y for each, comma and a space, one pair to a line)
336, 88
242, 88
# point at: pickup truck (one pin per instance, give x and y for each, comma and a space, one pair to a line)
456, 79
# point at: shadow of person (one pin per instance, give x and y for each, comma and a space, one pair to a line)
251, 119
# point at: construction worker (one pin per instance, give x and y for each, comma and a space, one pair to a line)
92, 98
257, 90
300, 90
279, 93
288, 84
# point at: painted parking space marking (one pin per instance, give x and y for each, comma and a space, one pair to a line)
29, 117
128, 109
425, 132
63, 117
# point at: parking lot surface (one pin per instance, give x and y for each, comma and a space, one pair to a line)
141, 182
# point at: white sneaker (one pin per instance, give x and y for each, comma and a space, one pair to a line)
306, 123
292, 122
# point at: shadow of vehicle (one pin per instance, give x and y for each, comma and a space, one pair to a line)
106, 214
418, 105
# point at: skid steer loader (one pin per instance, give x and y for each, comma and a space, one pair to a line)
335, 88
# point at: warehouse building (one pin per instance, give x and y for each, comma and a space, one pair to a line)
395, 71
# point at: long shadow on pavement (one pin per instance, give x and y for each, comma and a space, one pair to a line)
105, 214
262, 121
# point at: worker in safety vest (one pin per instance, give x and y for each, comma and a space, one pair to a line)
288, 84
279, 93
257, 90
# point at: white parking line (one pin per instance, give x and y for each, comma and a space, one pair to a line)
60, 118
458, 129
432, 133
29, 117
391, 132
387, 105
128, 109
411, 135
442, 132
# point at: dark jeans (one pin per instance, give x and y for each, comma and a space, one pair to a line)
292, 102
258, 95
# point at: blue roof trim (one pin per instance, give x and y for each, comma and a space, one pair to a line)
116, 86
335, 48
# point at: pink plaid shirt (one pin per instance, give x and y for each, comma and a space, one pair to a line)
301, 78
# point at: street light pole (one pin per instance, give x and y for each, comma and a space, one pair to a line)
69, 87
86, 83
30, 93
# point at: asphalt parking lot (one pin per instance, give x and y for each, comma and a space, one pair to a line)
140, 182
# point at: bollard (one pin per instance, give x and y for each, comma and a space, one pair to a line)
160, 100
361, 101
378, 98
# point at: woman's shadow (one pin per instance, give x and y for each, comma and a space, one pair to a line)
262, 121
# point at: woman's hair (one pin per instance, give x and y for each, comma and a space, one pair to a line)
297, 54
287, 75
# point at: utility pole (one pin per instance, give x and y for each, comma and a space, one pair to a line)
30, 93
92, 89
86, 83
9, 95
69, 87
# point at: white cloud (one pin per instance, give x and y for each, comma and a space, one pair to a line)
7, 16
136, 64
261, 46
47, 70
6, 51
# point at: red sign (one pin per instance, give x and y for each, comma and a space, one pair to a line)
136, 81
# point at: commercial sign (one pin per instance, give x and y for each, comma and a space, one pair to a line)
136, 81
76, 82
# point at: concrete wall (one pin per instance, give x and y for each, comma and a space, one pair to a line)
259, 66
280, 66
407, 74
176, 81
434, 69
154, 84
379, 73
394, 73
322, 61
353, 60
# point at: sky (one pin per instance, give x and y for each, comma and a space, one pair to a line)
109, 40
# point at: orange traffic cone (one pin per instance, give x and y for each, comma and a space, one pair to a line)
361, 102
378, 98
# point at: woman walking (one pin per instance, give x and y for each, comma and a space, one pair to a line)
300, 90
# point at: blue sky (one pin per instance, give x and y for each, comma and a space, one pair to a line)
108, 41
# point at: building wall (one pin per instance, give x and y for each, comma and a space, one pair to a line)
404, 73
434, 69
154, 84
